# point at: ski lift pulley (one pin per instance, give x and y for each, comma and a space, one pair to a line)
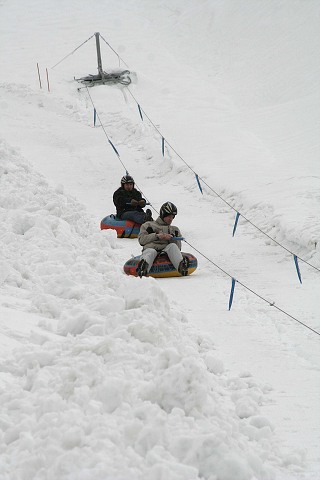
104, 78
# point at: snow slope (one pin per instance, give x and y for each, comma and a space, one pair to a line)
105, 376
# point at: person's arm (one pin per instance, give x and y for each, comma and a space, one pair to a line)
140, 201
119, 200
164, 237
147, 234
176, 233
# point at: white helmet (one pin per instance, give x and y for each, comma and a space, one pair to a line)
168, 208
127, 179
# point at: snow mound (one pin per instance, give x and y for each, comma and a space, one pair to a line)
111, 384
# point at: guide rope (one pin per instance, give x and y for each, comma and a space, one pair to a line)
69, 54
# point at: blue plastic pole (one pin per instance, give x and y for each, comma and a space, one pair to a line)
232, 292
297, 267
236, 223
114, 148
140, 112
199, 185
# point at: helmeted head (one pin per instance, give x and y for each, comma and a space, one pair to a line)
167, 209
127, 180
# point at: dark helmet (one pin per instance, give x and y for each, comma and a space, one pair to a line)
168, 208
127, 179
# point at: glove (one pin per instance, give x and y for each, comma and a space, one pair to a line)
142, 203
134, 202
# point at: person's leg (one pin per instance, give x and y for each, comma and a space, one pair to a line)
149, 255
147, 259
134, 216
179, 262
174, 254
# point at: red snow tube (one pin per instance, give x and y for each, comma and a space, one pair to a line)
124, 228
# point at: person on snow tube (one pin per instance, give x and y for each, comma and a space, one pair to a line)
129, 202
158, 236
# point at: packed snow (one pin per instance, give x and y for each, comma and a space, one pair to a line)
110, 377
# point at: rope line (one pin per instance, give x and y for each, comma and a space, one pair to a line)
72, 52
271, 304
217, 194
119, 58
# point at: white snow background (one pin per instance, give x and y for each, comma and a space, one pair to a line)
109, 377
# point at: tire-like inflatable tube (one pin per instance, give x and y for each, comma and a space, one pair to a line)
162, 267
124, 228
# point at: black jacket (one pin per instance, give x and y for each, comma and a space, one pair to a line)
122, 199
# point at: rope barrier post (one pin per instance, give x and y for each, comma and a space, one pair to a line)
162, 146
297, 267
199, 184
235, 223
94, 116
39, 75
48, 80
140, 112
114, 148
233, 283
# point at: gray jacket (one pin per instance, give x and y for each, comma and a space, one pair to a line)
148, 234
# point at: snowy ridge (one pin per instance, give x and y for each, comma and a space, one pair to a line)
109, 365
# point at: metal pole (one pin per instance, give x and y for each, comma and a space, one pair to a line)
39, 75
48, 80
97, 34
